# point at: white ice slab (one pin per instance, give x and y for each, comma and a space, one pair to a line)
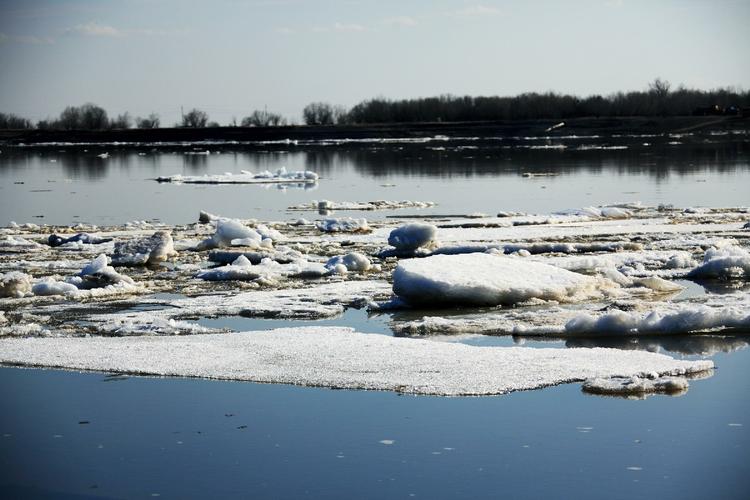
342, 358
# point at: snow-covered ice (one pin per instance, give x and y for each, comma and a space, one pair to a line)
244, 177
412, 236
342, 358
489, 280
157, 248
343, 225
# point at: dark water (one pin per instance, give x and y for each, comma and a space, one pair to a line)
56, 185
77, 435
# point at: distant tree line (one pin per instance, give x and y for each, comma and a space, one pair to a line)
659, 99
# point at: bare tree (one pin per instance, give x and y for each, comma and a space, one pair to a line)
121, 121
151, 121
86, 117
659, 87
318, 113
263, 119
10, 121
195, 118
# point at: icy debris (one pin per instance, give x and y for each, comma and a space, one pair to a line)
157, 326
49, 286
678, 320
343, 225
489, 280
99, 274
13, 243
723, 263
412, 236
267, 270
327, 205
326, 300
26, 225
206, 217
157, 248
282, 255
746, 226
14, 284
635, 385
341, 358
55, 240
605, 212
244, 177
351, 262
24, 330
229, 232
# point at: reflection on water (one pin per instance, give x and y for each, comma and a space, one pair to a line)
474, 176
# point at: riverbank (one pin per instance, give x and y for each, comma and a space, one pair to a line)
494, 129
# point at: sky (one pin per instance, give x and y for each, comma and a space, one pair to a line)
230, 57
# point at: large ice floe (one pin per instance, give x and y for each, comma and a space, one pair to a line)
327, 205
342, 358
482, 279
245, 177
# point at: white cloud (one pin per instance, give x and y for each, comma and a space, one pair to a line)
348, 27
94, 29
404, 21
477, 11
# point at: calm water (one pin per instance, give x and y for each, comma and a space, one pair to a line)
59, 186
74, 435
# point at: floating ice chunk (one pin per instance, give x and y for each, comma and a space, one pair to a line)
658, 284
14, 284
605, 212
723, 263
228, 230
98, 274
342, 358
282, 255
413, 236
49, 286
343, 225
16, 243
635, 385
244, 177
680, 320
157, 326
679, 261
157, 248
327, 205
55, 240
243, 270
206, 217
351, 262
489, 280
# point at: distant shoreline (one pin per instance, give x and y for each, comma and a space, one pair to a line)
603, 126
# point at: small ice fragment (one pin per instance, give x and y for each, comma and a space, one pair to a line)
413, 236
387, 442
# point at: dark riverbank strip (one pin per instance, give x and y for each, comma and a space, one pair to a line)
482, 130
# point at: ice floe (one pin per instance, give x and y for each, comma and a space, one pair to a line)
409, 237
342, 358
343, 225
327, 205
244, 177
723, 263
489, 280
636, 386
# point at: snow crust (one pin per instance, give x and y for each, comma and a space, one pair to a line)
489, 280
342, 358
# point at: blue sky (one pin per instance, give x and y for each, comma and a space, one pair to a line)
230, 57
